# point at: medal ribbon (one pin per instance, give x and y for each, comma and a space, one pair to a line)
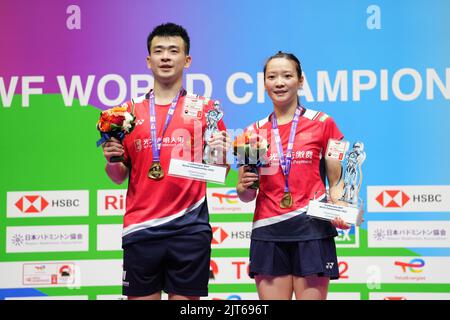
285, 162
156, 142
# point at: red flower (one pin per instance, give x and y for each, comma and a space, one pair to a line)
117, 120
103, 126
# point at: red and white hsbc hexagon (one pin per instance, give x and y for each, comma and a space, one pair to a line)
63, 203
231, 234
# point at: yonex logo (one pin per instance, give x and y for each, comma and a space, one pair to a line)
329, 265
392, 198
219, 235
31, 204
139, 121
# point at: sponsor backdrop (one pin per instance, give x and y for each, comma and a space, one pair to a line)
381, 69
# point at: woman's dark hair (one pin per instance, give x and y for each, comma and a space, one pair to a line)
169, 30
288, 56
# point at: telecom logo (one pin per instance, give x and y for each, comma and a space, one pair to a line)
219, 235
414, 266
230, 197
31, 204
392, 198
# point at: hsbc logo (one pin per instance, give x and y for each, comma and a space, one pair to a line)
231, 235
31, 204
36, 204
219, 235
47, 203
408, 198
392, 198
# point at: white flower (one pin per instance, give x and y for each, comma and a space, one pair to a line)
127, 123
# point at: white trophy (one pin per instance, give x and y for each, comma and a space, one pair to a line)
349, 206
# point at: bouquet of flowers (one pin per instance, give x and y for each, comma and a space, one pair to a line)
115, 123
250, 149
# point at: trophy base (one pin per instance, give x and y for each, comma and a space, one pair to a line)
329, 211
197, 171
325, 209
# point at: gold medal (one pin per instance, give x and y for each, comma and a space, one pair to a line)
286, 201
156, 172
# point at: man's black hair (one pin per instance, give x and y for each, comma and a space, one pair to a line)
170, 30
